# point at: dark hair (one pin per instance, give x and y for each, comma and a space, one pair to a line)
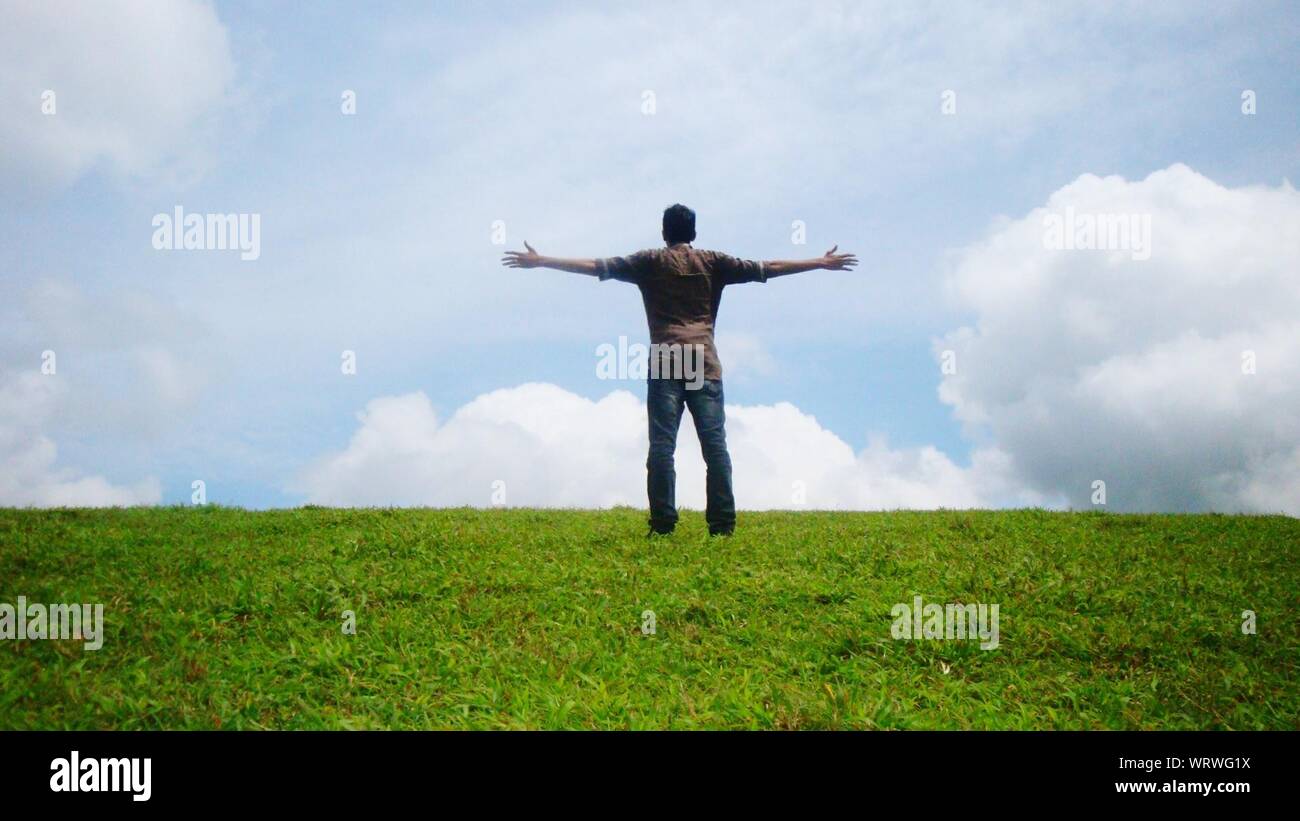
679, 224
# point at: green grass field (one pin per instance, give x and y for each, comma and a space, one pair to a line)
224, 618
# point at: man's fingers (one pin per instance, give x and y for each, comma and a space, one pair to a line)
529, 247
518, 259
833, 247
843, 261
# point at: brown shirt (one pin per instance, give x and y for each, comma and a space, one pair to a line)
682, 288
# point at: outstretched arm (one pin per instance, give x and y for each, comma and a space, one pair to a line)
532, 259
830, 262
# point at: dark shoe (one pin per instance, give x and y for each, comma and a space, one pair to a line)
728, 532
655, 532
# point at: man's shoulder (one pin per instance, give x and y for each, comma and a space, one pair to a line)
645, 256
712, 255
679, 259
661, 252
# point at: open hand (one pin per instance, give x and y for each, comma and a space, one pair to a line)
838, 262
522, 259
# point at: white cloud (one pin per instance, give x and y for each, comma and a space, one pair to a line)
125, 368
1086, 365
554, 448
29, 475
132, 79
132, 360
744, 356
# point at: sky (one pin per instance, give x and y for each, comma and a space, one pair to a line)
371, 350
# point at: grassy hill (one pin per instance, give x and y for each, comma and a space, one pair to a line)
224, 618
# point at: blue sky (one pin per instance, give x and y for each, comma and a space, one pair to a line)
376, 232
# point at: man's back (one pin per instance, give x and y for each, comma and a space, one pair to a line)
681, 287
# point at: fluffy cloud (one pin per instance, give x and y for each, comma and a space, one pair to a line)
131, 80
744, 356
122, 366
554, 448
1091, 364
29, 474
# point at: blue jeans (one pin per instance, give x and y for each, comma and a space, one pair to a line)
665, 399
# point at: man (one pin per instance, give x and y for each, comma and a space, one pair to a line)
682, 288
